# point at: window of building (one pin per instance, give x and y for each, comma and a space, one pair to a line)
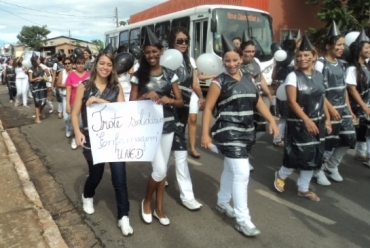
61, 50
285, 32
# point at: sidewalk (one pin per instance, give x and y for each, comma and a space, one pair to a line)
23, 220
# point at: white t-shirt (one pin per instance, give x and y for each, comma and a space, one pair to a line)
19, 73
319, 66
350, 77
124, 80
291, 79
174, 79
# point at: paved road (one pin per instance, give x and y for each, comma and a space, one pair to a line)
341, 219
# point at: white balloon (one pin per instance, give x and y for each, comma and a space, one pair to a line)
351, 37
209, 64
172, 59
280, 55
281, 93
26, 63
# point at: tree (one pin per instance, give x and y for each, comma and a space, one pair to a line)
98, 44
349, 15
33, 36
122, 23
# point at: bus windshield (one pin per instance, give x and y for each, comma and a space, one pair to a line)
233, 23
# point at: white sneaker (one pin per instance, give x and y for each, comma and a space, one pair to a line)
251, 168
88, 205
124, 224
68, 134
74, 144
320, 178
226, 208
192, 204
333, 173
247, 230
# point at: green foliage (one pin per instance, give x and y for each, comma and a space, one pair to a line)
33, 36
98, 44
348, 14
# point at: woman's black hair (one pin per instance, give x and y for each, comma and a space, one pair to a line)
143, 73
247, 43
331, 41
34, 62
19, 63
80, 60
172, 40
355, 49
238, 50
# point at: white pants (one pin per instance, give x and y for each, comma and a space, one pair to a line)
336, 157
194, 104
362, 148
183, 175
161, 157
281, 126
234, 183
22, 90
304, 179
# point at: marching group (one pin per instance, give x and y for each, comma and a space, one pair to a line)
325, 113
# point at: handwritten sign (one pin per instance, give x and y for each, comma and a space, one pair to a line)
126, 131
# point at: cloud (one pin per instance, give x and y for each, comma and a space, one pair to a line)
83, 19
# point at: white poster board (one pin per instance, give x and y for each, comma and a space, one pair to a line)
125, 131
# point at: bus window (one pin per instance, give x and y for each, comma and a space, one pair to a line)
162, 31
205, 28
200, 37
135, 37
181, 22
123, 38
107, 39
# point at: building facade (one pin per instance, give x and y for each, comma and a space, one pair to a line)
56, 44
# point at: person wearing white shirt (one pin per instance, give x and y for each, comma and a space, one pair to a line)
21, 82
358, 85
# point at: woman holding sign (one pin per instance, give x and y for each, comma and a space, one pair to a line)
233, 99
154, 82
101, 87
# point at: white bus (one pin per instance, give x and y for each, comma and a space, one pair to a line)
205, 23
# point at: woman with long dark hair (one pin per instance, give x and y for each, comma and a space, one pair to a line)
307, 118
101, 87
343, 134
38, 86
358, 83
89, 61
187, 73
233, 99
154, 82
9, 75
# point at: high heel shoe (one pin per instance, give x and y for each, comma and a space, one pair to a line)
164, 221
147, 218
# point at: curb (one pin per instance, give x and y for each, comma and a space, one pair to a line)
51, 232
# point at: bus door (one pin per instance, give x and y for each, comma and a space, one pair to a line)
199, 37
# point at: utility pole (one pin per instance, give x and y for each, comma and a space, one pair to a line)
116, 14
70, 43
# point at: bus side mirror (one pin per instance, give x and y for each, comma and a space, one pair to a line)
213, 25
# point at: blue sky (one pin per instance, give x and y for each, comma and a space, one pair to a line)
85, 19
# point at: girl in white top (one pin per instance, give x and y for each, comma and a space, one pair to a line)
62, 77
21, 82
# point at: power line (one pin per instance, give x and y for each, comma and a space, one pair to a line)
47, 15
29, 20
53, 12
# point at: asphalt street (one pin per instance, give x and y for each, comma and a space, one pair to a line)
340, 219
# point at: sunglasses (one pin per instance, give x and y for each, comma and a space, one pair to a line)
67, 63
181, 41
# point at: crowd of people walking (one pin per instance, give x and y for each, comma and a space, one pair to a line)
326, 112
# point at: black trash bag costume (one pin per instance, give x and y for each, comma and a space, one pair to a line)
38, 88
185, 74
10, 81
